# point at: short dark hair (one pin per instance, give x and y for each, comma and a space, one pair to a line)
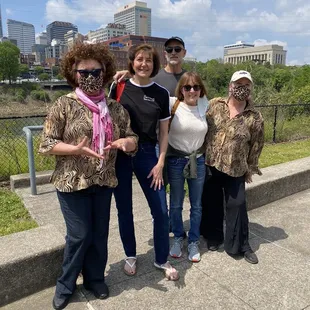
132, 52
185, 78
83, 51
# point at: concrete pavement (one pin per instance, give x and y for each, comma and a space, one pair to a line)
281, 280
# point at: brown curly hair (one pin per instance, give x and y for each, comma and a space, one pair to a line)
186, 78
82, 51
135, 49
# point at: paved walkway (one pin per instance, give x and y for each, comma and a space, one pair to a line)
281, 280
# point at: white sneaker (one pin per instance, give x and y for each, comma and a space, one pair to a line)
193, 252
176, 249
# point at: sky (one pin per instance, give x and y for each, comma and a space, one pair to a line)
205, 25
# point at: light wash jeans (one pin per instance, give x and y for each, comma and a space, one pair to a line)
177, 192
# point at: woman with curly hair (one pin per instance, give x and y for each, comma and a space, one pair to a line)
84, 129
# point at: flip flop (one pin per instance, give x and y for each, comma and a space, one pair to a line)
166, 270
132, 266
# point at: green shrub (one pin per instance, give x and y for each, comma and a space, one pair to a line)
40, 95
59, 93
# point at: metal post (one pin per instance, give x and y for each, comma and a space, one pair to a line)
275, 124
32, 171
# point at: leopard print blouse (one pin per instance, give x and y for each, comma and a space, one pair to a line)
69, 121
233, 146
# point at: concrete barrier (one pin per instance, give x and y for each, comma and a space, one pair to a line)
278, 181
30, 261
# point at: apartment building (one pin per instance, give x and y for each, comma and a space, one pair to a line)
110, 31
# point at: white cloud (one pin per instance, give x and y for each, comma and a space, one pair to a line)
204, 28
261, 42
8, 12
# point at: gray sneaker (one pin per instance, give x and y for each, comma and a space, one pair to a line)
193, 252
176, 249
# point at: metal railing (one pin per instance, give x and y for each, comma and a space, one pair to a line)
32, 170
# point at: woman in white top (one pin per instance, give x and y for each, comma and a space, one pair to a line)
185, 160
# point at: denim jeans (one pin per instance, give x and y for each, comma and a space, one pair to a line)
177, 192
141, 164
87, 215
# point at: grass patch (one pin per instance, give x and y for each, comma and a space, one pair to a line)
278, 153
13, 215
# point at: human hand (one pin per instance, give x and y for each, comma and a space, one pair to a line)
124, 144
248, 178
120, 75
83, 149
157, 173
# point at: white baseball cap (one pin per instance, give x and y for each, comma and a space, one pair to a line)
241, 74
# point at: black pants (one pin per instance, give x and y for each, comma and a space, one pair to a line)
222, 190
87, 214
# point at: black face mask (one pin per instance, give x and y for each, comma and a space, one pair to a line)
241, 92
90, 84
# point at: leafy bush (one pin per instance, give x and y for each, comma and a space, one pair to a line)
59, 93
40, 95
43, 77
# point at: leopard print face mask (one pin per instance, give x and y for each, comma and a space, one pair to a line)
241, 92
90, 84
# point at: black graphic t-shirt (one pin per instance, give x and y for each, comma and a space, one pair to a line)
146, 105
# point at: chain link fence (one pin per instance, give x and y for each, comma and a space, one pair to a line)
286, 122
282, 123
13, 146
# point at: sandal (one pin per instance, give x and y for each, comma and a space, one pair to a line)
168, 270
133, 266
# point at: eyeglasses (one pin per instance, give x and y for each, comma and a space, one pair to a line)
189, 87
177, 49
85, 73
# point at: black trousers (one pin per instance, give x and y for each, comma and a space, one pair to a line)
87, 214
223, 191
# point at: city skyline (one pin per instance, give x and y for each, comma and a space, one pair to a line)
206, 25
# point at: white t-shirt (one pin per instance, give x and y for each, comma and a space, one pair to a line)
189, 126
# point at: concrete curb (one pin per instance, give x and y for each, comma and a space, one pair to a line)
30, 261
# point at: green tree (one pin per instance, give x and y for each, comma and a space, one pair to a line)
55, 70
59, 77
9, 61
38, 70
43, 77
23, 69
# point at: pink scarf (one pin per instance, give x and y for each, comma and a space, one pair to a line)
102, 122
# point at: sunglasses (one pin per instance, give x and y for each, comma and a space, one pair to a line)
177, 49
189, 87
85, 73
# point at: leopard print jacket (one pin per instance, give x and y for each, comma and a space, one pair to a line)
69, 121
233, 146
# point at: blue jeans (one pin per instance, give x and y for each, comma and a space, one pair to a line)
87, 215
177, 192
141, 165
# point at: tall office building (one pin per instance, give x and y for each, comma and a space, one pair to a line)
1, 31
57, 30
41, 38
23, 33
137, 18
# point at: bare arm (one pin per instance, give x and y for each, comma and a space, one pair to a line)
157, 171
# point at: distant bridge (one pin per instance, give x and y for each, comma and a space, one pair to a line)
55, 84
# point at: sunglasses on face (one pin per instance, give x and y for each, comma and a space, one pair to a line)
85, 73
189, 87
177, 49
